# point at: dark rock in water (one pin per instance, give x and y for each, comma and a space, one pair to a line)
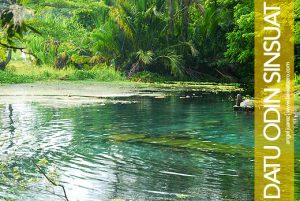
245, 109
239, 100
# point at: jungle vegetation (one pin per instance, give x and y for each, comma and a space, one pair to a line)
198, 40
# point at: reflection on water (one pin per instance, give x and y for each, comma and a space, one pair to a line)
92, 167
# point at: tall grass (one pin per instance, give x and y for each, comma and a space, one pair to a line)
18, 72
10, 77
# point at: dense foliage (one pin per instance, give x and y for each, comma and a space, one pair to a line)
188, 39
12, 20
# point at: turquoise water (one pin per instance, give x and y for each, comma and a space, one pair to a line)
91, 166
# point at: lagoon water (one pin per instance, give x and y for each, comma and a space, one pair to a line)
76, 140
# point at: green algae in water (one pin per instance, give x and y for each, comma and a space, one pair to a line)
181, 196
126, 137
186, 142
191, 86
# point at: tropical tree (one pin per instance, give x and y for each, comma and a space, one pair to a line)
65, 32
13, 26
138, 38
182, 38
139, 30
186, 5
240, 42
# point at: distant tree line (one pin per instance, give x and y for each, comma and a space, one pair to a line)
184, 39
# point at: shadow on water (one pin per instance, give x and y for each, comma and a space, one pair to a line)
182, 147
11, 126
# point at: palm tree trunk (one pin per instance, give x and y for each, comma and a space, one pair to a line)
185, 18
172, 15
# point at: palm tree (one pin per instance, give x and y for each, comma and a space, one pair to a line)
172, 15
185, 5
143, 28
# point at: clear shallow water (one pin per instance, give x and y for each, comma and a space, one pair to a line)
92, 167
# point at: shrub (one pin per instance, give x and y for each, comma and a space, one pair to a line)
10, 77
146, 76
297, 80
83, 75
106, 73
22, 73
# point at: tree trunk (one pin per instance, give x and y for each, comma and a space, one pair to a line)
4, 64
201, 8
185, 18
172, 15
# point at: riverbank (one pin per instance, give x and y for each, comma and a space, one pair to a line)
26, 72
27, 80
92, 91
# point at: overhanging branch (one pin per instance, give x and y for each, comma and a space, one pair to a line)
11, 47
52, 182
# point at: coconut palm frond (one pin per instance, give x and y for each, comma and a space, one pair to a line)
145, 57
173, 61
